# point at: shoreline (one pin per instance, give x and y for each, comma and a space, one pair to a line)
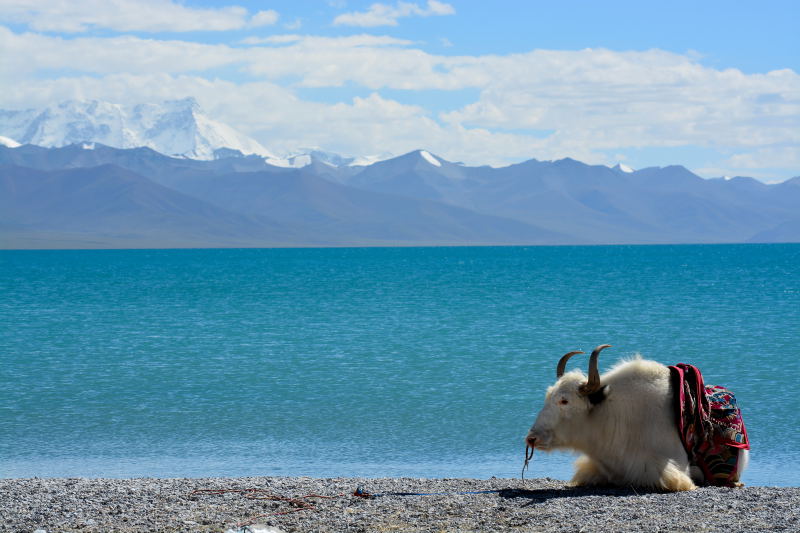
310, 504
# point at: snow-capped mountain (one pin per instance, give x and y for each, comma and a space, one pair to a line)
174, 127
622, 167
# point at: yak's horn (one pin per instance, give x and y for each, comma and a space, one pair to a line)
593, 383
562, 364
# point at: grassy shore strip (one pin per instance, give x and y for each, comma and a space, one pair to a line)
58, 505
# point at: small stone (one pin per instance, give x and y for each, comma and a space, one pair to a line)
256, 528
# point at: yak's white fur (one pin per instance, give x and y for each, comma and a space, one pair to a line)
629, 438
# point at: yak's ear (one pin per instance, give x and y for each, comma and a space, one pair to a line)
598, 396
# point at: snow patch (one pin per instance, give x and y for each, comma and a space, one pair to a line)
10, 143
427, 156
87, 146
367, 160
294, 161
301, 161
625, 168
328, 158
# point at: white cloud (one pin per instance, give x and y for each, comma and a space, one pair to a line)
771, 164
27, 53
272, 39
263, 18
440, 8
367, 60
127, 15
296, 24
634, 99
387, 15
771, 157
339, 43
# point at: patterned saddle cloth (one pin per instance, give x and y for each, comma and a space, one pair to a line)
710, 425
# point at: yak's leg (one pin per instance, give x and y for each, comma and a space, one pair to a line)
588, 472
638, 473
674, 479
659, 473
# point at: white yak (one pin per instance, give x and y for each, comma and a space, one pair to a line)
623, 423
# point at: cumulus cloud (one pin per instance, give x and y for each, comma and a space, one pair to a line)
30, 52
263, 18
128, 15
387, 15
634, 99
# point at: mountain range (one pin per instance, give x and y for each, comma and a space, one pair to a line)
206, 189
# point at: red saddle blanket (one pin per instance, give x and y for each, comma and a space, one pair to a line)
710, 425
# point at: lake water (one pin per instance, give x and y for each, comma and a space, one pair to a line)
424, 362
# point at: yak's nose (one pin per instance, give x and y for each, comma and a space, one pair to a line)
530, 441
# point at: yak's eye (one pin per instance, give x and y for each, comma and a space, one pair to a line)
564, 401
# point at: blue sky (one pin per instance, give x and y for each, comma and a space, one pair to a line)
710, 85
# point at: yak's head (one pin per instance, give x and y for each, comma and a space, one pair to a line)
563, 421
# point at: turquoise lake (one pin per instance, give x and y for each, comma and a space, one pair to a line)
422, 362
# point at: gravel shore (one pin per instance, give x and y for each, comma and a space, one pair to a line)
255, 504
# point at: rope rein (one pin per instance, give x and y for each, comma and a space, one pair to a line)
301, 503
368, 495
528, 457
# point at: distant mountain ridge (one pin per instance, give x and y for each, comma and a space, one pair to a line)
97, 196
107, 203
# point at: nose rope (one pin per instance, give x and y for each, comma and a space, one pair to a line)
528, 457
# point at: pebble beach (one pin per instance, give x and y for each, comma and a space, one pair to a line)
303, 504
